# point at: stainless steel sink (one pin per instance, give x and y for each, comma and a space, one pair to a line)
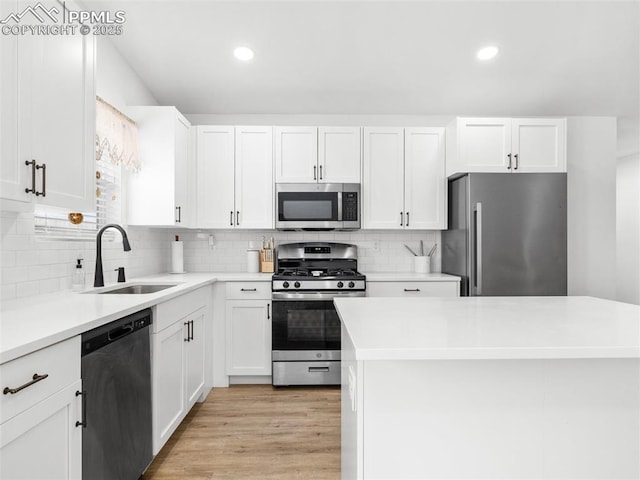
138, 289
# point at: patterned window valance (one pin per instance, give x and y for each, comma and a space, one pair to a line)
117, 136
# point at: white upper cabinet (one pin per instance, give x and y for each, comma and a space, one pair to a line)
215, 167
424, 179
318, 155
296, 154
383, 178
339, 154
510, 145
539, 145
404, 178
159, 193
234, 177
48, 117
254, 177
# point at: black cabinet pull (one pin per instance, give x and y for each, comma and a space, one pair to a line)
191, 323
83, 423
247, 289
187, 325
314, 172
179, 210
35, 379
231, 218
320, 172
411, 289
407, 219
44, 180
268, 311
401, 219
33, 176
237, 218
516, 157
509, 166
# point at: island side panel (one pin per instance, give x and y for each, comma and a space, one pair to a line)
351, 410
516, 419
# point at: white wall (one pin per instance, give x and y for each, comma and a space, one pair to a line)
31, 266
628, 229
591, 210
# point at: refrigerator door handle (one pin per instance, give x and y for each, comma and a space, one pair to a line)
478, 242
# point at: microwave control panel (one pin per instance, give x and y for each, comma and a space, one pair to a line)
350, 206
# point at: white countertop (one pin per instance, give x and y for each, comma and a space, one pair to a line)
29, 324
490, 328
410, 277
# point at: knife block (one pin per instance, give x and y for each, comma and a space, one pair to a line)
266, 261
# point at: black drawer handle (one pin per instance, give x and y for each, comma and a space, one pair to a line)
411, 289
248, 290
83, 423
318, 369
35, 379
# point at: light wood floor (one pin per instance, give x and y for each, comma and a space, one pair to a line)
256, 432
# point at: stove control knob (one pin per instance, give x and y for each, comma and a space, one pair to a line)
340, 284
297, 284
285, 284
351, 284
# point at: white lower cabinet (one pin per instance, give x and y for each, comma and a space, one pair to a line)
40, 433
248, 328
413, 289
178, 361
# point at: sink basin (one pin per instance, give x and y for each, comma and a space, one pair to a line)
138, 289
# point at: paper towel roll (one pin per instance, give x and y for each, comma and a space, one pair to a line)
177, 257
253, 261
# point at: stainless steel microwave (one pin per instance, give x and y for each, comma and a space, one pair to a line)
318, 206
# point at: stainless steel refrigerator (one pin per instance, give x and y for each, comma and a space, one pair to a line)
507, 233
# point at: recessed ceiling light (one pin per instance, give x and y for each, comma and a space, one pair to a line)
487, 53
243, 54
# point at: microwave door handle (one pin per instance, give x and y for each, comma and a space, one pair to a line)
339, 206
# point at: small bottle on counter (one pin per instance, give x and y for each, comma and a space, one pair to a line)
77, 282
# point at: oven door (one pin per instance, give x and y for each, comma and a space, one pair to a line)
311, 206
305, 325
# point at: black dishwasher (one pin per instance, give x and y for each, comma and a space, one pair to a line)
116, 389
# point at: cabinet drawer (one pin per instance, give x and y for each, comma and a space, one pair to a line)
61, 362
169, 312
412, 289
248, 290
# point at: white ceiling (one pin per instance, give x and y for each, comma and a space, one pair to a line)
387, 57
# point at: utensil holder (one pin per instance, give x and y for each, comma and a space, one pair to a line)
422, 264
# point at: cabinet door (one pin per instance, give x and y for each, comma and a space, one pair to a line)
539, 145
484, 145
254, 177
194, 356
339, 154
383, 178
15, 176
248, 337
185, 212
168, 382
296, 154
56, 105
44, 441
424, 173
215, 176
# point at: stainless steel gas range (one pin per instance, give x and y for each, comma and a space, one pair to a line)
305, 325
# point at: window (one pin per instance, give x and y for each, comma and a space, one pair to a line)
116, 148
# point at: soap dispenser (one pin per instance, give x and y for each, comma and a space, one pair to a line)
77, 283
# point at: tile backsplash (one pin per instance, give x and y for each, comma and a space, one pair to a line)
31, 266
378, 250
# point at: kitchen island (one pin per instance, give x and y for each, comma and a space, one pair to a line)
490, 387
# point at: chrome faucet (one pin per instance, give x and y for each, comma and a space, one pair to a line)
98, 278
